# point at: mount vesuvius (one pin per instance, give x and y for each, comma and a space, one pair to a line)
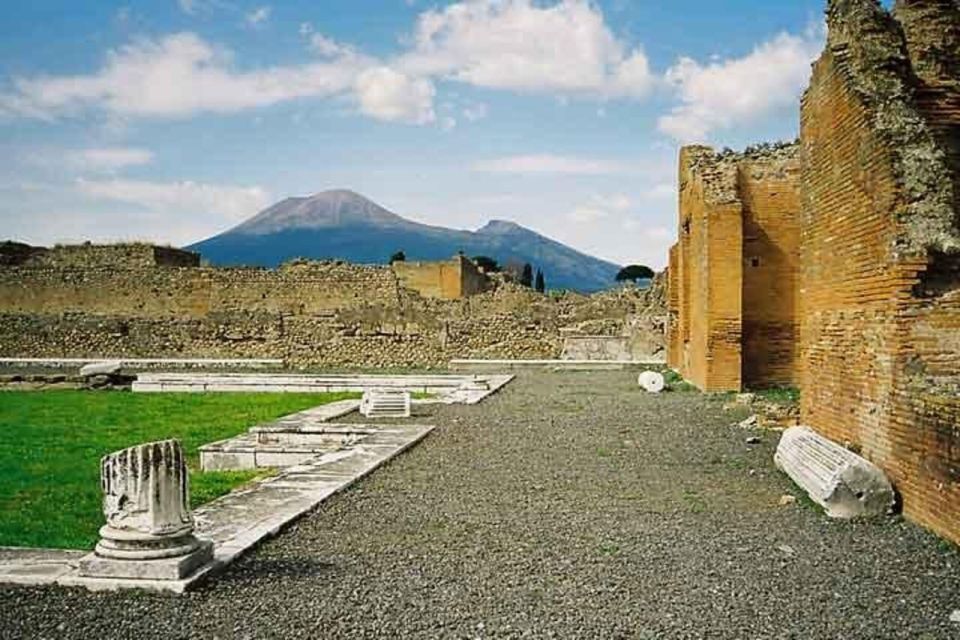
344, 225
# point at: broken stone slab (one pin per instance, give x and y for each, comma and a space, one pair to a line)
107, 368
149, 529
843, 483
385, 404
651, 381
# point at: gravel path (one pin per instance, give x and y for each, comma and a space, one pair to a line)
570, 505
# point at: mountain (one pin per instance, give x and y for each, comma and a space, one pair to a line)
344, 225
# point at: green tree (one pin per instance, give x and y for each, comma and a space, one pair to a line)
540, 284
399, 256
487, 263
635, 272
526, 278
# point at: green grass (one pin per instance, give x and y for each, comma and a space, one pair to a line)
51, 443
779, 395
675, 382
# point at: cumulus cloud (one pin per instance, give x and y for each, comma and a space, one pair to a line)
227, 202
524, 46
548, 163
177, 76
392, 96
725, 93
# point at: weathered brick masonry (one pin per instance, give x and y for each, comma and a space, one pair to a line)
91, 301
861, 302
880, 286
733, 271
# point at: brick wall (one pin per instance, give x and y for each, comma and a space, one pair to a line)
769, 188
733, 271
880, 274
710, 257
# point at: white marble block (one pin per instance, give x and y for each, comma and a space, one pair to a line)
107, 368
149, 529
843, 483
652, 381
385, 404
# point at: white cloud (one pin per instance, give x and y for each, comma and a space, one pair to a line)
177, 76
226, 202
523, 46
110, 158
327, 47
725, 93
475, 112
258, 16
600, 208
386, 94
548, 163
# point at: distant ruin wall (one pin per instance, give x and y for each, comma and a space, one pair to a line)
448, 280
880, 273
316, 313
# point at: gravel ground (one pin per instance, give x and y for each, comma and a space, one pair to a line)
570, 505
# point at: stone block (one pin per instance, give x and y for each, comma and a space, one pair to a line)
651, 381
843, 483
385, 404
107, 368
175, 568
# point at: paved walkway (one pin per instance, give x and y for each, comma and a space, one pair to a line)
569, 505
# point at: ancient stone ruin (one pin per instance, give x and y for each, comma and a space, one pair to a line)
834, 264
139, 301
149, 529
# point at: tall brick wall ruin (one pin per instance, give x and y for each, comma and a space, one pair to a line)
115, 301
733, 271
769, 187
851, 258
880, 305
711, 234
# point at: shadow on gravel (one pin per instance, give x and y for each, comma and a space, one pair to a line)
302, 567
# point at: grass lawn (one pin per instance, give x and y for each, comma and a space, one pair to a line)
51, 443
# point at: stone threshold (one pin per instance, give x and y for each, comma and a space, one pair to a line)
456, 388
552, 364
236, 522
146, 362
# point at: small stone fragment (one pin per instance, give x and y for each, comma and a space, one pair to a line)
754, 440
651, 381
100, 368
749, 423
955, 616
787, 499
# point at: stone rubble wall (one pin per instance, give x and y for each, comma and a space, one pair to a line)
309, 313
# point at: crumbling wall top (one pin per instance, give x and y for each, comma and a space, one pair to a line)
932, 32
869, 45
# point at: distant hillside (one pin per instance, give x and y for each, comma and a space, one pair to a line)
345, 225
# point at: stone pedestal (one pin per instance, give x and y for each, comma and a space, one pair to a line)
149, 530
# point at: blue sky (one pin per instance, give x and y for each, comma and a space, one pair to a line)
172, 120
